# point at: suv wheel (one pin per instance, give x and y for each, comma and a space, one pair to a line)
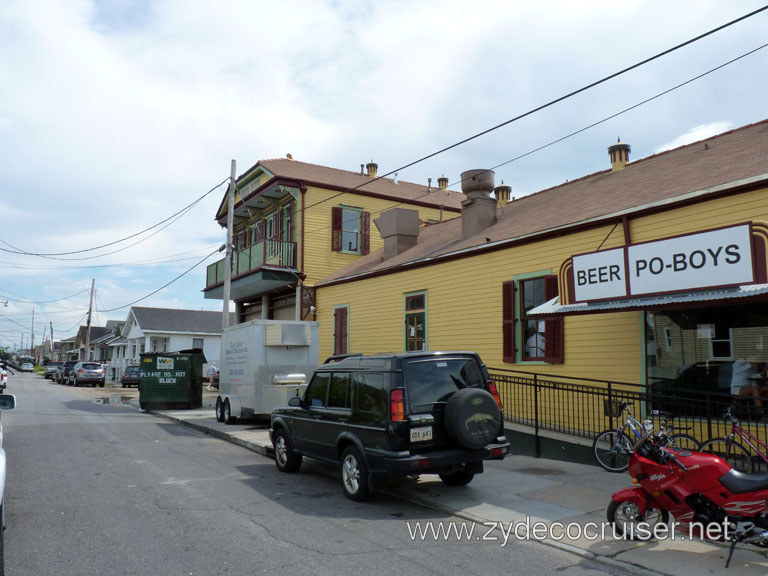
285, 459
354, 475
460, 478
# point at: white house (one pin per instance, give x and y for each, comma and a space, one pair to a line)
165, 330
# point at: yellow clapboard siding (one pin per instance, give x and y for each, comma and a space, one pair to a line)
465, 301
319, 259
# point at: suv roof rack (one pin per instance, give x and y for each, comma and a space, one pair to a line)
338, 357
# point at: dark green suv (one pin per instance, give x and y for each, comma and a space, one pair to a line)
394, 415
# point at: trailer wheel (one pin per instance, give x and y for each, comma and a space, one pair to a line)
219, 410
227, 413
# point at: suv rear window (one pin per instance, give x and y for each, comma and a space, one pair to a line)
434, 380
91, 366
132, 369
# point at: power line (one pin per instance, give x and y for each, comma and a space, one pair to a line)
180, 213
585, 128
547, 105
162, 287
150, 262
44, 301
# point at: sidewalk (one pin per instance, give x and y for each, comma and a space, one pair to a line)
520, 488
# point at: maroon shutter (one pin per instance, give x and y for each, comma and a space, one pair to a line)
365, 233
554, 332
508, 317
340, 331
336, 215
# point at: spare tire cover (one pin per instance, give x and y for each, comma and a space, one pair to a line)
472, 418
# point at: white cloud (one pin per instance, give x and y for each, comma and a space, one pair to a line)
117, 113
695, 134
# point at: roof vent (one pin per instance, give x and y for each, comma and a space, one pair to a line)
619, 153
503, 194
371, 168
478, 210
442, 182
399, 228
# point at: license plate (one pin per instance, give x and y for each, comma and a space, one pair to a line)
421, 434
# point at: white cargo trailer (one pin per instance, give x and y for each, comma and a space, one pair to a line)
263, 364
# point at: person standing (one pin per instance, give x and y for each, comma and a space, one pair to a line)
212, 371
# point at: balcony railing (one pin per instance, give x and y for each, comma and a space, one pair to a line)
272, 253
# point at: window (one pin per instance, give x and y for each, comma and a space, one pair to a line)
532, 293
434, 381
257, 232
197, 342
317, 390
340, 330
286, 227
271, 226
541, 339
720, 343
416, 321
339, 396
350, 230
371, 397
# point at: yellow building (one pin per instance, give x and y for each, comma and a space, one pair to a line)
295, 223
650, 272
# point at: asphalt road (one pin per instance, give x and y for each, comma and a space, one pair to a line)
101, 488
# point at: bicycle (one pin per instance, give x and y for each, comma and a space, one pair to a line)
612, 448
731, 451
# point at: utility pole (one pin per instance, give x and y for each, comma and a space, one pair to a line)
32, 342
52, 341
228, 257
42, 345
88, 329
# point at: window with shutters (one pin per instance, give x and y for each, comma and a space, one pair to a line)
340, 329
527, 338
351, 230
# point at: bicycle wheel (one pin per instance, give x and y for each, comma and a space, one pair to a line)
735, 454
685, 442
612, 450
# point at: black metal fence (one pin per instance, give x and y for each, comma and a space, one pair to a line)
584, 407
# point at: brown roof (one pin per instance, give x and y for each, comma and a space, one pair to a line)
726, 158
342, 180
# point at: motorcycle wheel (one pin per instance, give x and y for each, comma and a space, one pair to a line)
628, 523
735, 454
612, 451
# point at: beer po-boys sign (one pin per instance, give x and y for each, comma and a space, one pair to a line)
710, 259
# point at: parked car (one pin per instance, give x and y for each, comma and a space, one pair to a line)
702, 389
7, 402
130, 376
27, 367
50, 370
62, 372
385, 416
3, 379
86, 373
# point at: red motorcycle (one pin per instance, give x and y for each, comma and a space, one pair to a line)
705, 496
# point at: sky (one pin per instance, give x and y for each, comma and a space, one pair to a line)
117, 114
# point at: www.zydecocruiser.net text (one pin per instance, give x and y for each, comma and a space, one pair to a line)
503, 532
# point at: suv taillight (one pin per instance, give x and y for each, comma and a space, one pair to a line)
396, 405
80, 370
495, 393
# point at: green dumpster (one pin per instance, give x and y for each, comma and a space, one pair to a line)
172, 380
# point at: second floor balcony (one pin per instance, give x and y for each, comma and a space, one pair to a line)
249, 267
